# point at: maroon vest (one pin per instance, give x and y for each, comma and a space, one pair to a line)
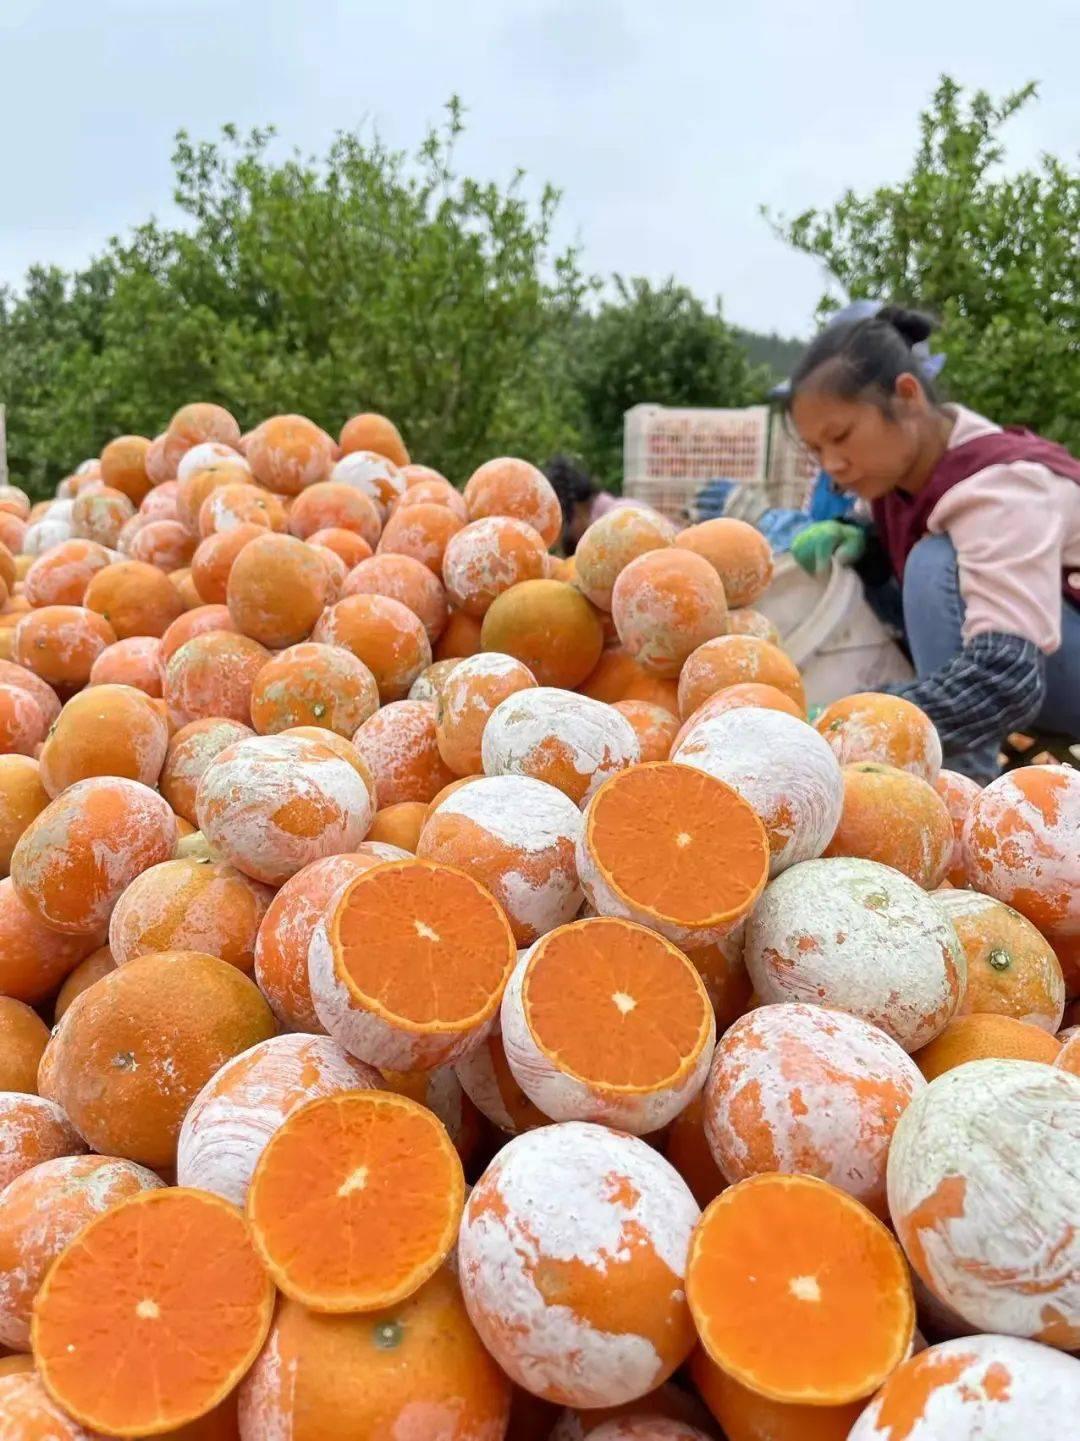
901, 518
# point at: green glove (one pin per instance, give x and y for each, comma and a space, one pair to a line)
814, 547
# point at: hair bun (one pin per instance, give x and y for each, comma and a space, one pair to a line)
913, 325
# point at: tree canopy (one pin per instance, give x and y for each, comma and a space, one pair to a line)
994, 255
364, 280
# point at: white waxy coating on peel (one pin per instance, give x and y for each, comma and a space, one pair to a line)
825, 1088
989, 1388
781, 767
210, 455
533, 728
985, 1197
572, 1193
233, 1117
859, 937
534, 826
67, 1192
244, 787
1014, 847
476, 569
377, 477
566, 1097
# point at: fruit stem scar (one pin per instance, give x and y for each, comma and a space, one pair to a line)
147, 1310
426, 931
682, 840
624, 1003
805, 1288
356, 1182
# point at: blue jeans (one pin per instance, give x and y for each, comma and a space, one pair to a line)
933, 621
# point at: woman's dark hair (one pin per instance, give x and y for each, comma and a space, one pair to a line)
572, 484
863, 359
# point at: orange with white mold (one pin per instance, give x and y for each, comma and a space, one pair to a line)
241, 1106
572, 1256
210, 455
22, 797
666, 604
959, 793
136, 662
730, 660
74, 861
745, 621
388, 637
654, 726
568, 741
408, 965
674, 849
277, 590
1012, 969
974, 1389
603, 1020
333, 505
376, 476
286, 453
883, 729
61, 575
983, 1198
44, 1209
858, 937
166, 544
413, 1370
370, 431
212, 676
106, 730
33, 1129
404, 579
273, 804
34, 958
492, 1087
1022, 842
101, 516
201, 421
312, 684
795, 1088
420, 531
28, 1412
486, 558
507, 486
60, 643
431, 489
190, 751
400, 746
781, 767
228, 507
471, 691
132, 1052
281, 947
190, 905
516, 836
738, 552
896, 818
22, 725
611, 543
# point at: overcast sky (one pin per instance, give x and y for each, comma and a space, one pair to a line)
666, 123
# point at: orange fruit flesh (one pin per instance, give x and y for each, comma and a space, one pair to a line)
679, 843
356, 1201
615, 1004
424, 944
152, 1314
798, 1292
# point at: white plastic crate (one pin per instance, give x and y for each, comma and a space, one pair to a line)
668, 453
792, 468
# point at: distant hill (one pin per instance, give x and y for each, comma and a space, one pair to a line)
776, 352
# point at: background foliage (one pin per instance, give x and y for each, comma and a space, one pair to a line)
372, 279
995, 256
